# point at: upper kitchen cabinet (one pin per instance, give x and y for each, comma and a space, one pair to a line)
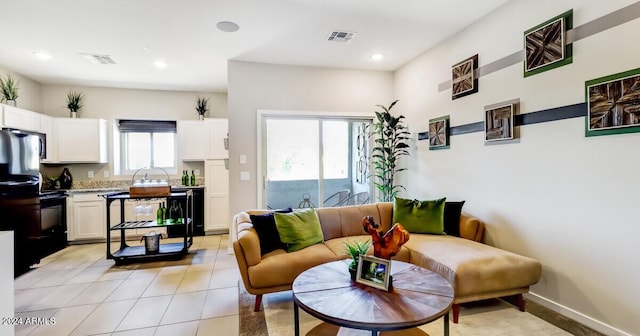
81, 140
201, 140
46, 128
15, 117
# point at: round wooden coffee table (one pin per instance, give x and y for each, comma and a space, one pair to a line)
326, 292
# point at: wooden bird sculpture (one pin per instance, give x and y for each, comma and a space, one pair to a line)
385, 244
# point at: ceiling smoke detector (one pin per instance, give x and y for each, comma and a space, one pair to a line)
98, 59
341, 36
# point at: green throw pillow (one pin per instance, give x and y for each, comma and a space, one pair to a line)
299, 229
420, 216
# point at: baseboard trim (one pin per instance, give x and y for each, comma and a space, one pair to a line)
567, 312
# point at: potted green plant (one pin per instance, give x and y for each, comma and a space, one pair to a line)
202, 107
390, 143
52, 183
355, 249
9, 90
74, 102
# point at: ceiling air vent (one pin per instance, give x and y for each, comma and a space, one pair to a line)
98, 59
341, 36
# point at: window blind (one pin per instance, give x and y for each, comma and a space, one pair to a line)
158, 126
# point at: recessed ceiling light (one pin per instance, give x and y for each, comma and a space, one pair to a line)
227, 26
377, 57
42, 55
160, 64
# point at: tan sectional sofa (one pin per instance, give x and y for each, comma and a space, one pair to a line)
475, 270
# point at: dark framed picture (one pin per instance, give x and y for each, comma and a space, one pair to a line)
545, 45
374, 272
613, 104
498, 122
439, 133
463, 77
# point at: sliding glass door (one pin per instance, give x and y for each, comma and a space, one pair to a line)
315, 162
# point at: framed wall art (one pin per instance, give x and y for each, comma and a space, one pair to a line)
613, 104
374, 272
498, 122
545, 45
439, 133
463, 77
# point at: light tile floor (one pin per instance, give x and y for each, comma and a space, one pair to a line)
88, 294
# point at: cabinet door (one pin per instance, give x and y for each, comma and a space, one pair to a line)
89, 220
193, 139
46, 128
81, 140
218, 132
22, 119
216, 196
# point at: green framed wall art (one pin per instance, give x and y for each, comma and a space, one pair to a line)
545, 45
613, 104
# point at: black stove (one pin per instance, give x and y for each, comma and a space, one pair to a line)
38, 220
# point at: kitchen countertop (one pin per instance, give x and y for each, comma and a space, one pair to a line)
114, 189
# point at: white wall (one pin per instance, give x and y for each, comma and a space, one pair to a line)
110, 103
254, 86
557, 196
29, 91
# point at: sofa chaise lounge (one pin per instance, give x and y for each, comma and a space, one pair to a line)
475, 270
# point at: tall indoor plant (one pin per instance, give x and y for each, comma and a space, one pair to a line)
390, 143
74, 102
9, 90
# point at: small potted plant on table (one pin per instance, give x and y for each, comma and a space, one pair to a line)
355, 249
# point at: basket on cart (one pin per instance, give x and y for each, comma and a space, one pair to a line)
147, 186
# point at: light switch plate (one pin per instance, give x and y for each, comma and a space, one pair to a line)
105, 173
244, 176
90, 174
196, 172
243, 159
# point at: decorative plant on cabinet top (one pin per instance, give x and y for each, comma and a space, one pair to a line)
202, 107
74, 102
390, 135
9, 90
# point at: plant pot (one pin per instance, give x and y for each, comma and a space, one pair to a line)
74, 114
12, 103
353, 272
200, 116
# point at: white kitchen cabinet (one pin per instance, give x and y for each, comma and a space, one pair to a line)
193, 140
216, 196
200, 140
87, 220
81, 140
15, 117
6, 278
46, 128
218, 134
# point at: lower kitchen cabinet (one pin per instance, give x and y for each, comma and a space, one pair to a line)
86, 219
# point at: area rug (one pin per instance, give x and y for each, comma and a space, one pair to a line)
486, 318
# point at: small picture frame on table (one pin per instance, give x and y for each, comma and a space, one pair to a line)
374, 272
